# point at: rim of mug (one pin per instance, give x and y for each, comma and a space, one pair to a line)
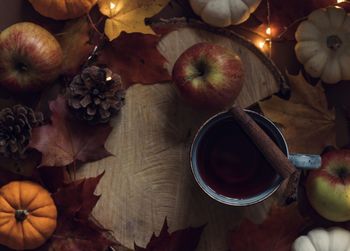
211, 192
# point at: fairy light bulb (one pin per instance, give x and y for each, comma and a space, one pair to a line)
115, 7
112, 5
268, 31
260, 44
341, 1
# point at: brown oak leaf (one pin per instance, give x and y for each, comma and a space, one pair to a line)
181, 240
305, 119
134, 56
67, 140
277, 233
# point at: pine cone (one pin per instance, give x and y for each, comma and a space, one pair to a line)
16, 125
96, 95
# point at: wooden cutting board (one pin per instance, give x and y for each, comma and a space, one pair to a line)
149, 177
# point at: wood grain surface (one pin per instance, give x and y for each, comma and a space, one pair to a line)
149, 178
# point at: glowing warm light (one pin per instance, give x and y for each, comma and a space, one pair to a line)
112, 5
268, 31
260, 44
341, 1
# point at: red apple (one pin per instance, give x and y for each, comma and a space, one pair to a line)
30, 57
328, 188
209, 76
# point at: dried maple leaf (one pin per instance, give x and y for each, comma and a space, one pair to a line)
277, 233
76, 229
135, 57
305, 120
51, 178
75, 43
77, 199
181, 240
129, 16
67, 140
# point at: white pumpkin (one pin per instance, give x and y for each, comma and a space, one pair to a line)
222, 13
323, 44
334, 239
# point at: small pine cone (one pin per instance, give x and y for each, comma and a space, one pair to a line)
95, 95
16, 125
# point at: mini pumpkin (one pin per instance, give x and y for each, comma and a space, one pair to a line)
335, 239
63, 9
27, 215
323, 44
222, 13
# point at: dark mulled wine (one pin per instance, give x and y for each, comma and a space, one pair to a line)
231, 164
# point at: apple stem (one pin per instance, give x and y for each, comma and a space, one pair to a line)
202, 68
21, 67
342, 173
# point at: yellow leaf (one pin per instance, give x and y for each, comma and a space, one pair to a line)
129, 15
304, 119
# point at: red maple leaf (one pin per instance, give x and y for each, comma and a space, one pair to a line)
77, 199
51, 178
134, 56
276, 233
67, 140
181, 240
76, 229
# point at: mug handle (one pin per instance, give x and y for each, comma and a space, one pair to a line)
305, 161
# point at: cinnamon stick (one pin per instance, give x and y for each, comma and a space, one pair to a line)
272, 153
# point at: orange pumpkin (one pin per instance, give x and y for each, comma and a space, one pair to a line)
27, 215
63, 9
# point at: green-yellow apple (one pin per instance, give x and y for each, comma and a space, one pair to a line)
328, 188
30, 57
209, 76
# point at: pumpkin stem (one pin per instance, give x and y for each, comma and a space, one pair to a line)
334, 42
21, 214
